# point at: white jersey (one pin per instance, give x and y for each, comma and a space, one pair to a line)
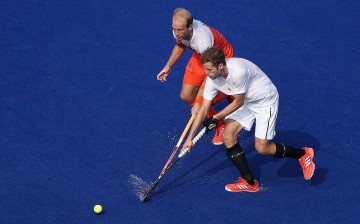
202, 38
244, 77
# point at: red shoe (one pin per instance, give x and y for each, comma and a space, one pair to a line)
242, 186
307, 164
217, 140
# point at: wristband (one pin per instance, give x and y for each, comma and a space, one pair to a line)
199, 99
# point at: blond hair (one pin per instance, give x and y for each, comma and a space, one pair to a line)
183, 13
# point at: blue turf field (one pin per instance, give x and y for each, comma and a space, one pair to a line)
83, 116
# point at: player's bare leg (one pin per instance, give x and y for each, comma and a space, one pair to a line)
231, 131
265, 147
188, 93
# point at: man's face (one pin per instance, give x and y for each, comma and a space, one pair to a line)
211, 71
179, 28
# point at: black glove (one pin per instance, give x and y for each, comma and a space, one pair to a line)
210, 124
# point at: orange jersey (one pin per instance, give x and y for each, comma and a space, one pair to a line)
221, 42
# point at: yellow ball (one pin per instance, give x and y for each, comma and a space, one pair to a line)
97, 209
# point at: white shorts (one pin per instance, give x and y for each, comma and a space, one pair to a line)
265, 119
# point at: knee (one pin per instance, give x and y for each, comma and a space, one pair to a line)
262, 148
228, 139
187, 98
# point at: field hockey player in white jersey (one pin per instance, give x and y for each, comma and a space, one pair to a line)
255, 100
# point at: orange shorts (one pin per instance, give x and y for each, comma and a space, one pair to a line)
194, 73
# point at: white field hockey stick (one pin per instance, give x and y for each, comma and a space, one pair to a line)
182, 153
197, 137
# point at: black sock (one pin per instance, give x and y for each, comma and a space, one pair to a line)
288, 151
237, 156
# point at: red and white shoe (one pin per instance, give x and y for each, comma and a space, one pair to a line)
217, 140
243, 186
307, 164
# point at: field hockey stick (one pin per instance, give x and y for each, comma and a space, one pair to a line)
197, 137
182, 153
178, 143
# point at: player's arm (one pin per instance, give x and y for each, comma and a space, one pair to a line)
197, 123
176, 53
236, 104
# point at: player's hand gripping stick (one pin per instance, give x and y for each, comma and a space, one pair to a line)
197, 137
210, 124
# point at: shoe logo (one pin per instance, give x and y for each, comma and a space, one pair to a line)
242, 187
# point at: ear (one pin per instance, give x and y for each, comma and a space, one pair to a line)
221, 66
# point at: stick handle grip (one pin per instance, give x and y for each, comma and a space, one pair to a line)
197, 137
